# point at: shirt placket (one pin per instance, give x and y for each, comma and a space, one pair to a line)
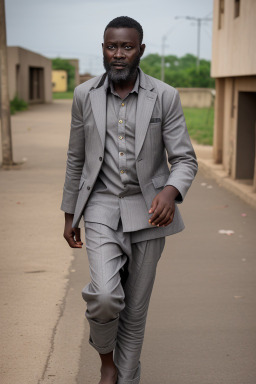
122, 148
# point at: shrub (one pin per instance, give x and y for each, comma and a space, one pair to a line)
17, 104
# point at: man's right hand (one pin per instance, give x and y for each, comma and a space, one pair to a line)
72, 235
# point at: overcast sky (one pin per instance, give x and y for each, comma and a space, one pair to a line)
74, 28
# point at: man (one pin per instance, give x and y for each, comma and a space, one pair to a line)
123, 124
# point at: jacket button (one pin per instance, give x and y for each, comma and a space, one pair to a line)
100, 158
88, 188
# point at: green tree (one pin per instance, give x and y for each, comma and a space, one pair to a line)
63, 64
179, 71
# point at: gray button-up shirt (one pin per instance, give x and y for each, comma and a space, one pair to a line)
117, 194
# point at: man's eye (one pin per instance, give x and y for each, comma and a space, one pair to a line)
128, 47
110, 46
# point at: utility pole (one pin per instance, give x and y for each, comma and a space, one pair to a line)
4, 93
199, 22
162, 57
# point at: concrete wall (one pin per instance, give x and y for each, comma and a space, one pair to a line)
196, 97
19, 62
234, 68
228, 124
233, 44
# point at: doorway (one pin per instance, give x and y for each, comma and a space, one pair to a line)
245, 159
36, 84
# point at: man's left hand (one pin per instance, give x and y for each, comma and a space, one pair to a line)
163, 207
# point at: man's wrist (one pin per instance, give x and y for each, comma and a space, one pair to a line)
69, 216
172, 191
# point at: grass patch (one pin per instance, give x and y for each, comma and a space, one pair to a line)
200, 124
62, 95
17, 104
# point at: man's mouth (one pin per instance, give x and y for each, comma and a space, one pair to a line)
118, 65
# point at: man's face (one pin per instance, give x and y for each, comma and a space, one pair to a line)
121, 52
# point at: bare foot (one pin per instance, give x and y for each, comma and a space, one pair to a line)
108, 375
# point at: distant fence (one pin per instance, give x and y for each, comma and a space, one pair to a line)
197, 97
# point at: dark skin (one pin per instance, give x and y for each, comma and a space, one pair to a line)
122, 45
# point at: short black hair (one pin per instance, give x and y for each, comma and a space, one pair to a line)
126, 22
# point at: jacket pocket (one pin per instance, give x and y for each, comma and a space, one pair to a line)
155, 120
159, 181
81, 183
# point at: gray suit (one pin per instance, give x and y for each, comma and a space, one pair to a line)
159, 119
117, 301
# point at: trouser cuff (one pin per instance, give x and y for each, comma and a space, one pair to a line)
103, 335
125, 376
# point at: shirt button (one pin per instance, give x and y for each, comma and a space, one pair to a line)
88, 188
122, 104
121, 153
122, 171
100, 158
120, 137
120, 121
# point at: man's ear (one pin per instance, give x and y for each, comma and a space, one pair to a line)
142, 49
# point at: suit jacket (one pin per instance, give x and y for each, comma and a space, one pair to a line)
160, 134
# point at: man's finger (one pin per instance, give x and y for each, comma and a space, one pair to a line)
168, 223
160, 216
73, 244
77, 236
153, 206
71, 241
156, 213
170, 220
166, 218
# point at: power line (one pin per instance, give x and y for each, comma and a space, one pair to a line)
199, 21
164, 37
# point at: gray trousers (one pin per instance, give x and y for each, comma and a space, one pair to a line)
122, 278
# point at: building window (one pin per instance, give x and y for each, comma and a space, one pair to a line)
221, 13
237, 8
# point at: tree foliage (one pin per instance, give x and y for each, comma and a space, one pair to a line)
63, 64
179, 71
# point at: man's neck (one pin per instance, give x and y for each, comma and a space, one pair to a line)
123, 88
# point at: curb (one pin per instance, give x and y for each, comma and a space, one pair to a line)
240, 188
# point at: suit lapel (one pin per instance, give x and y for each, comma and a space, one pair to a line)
98, 103
145, 106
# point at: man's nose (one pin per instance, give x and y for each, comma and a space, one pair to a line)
119, 53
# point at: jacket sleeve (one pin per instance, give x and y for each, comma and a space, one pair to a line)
181, 155
75, 157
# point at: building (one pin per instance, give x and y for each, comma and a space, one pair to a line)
29, 75
85, 77
234, 68
59, 80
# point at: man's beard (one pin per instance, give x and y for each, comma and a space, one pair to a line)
120, 75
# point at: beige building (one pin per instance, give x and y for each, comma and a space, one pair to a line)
29, 75
59, 80
234, 68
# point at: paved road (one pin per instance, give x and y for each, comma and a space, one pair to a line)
201, 324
